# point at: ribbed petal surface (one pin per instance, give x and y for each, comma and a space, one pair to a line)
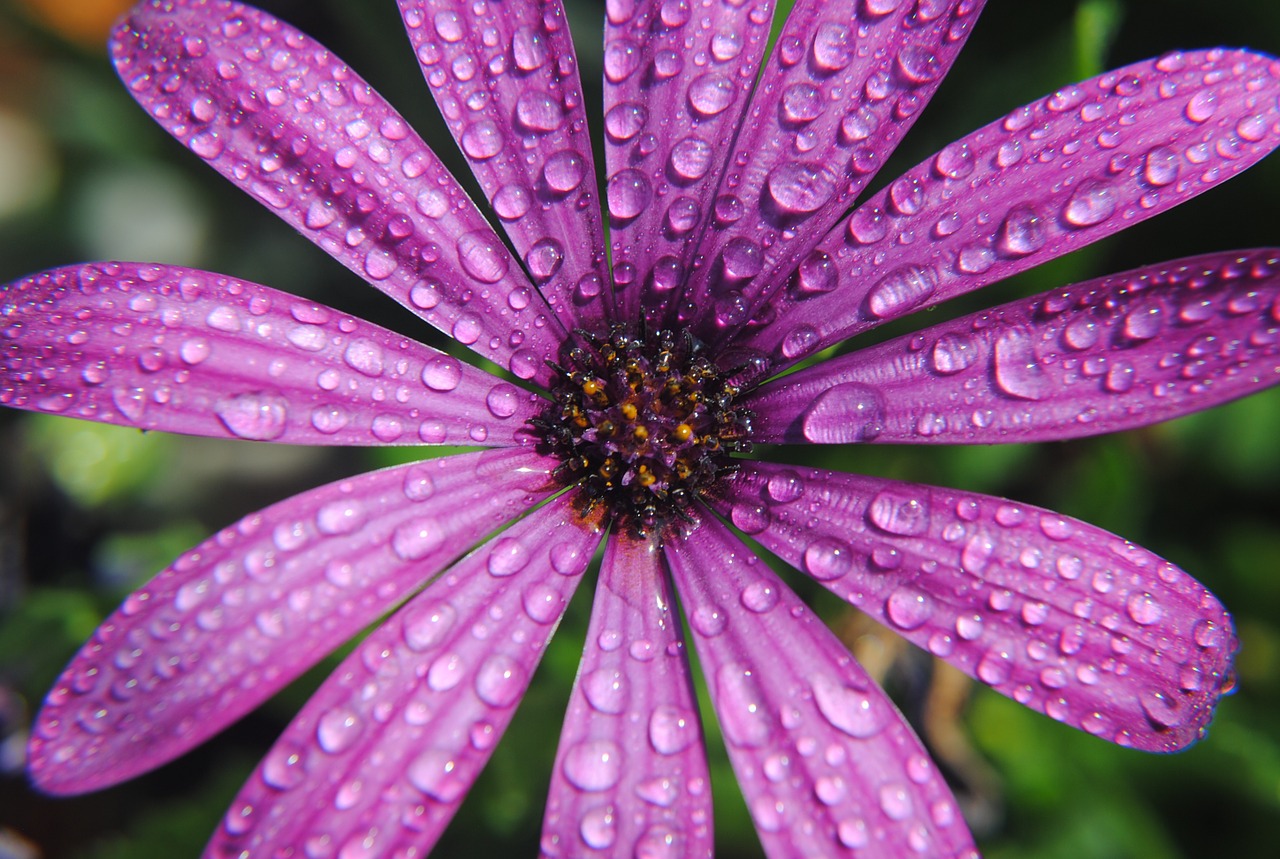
676, 78
843, 85
1110, 354
381, 757
168, 348
506, 79
631, 774
825, 761
235, 619
1087, 161
1057, 614
285, 120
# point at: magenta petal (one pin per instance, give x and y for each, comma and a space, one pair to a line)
383, 754
286, 121
524, 132
676, 79
168, 348
1109, 354
840, 90
1051, 177
631, 774
825, 761
1057, 614
247, 611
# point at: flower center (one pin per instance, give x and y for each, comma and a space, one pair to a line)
643, 423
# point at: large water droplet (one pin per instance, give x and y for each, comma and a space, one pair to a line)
593, 765
257, 416
850, 710
848, 412
1018, 371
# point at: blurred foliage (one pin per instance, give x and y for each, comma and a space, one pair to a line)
87, 513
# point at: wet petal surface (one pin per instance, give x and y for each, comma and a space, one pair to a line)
286, 121
1107, 355
827, 764
631, 775
382, 755
176, 349
1053, 176
506, 80
1054, 613
242, 614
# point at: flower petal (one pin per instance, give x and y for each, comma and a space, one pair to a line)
1057, 614
235, 619
631, 773
283, 119
1110, 354
524, 132
383, 754
840, 90
1089, 160
676, 79
827, 764
176, 349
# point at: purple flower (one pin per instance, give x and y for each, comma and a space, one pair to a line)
633, 391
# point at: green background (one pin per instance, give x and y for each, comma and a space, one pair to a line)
87, 513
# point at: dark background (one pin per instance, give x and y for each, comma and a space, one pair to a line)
87, 513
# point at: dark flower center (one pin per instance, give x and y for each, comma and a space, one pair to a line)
644, 423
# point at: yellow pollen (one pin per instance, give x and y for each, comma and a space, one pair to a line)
683, 432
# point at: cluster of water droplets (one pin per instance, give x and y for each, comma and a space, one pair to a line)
676, 74
1056, 614
840, 89
631, 775
240, 615
160, 347
1052, 176
390, 744
283, 119
826, 764
506, 81
1101, 356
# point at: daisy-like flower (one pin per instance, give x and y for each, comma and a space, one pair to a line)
634, 389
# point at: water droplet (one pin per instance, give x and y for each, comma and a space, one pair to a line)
427, 626
543, 603
417, 538
902, 289
908, 608
898, 513
1021, 233
710, 94
500, 680
257, 416
338, 730
508, 556
628, 193
442, 373
544, 259
606, 690
691, 158
563, 172
434, 773
482, 140
593, 765
833, 47
283, 768
482, 256
741, 709
1161, 708
1091, 203
847, 412
598, 827
1144, 609
671, 729
797, 187
849, 710
759, 597
1018, 371
539, 112
625, 120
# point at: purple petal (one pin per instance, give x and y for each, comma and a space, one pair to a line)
283, 119
1110, 354
176, 349
631, 775
1056, 614
524, 132
383, 754
235, 619
839, 92
1049, 178
825, 761
676, 79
